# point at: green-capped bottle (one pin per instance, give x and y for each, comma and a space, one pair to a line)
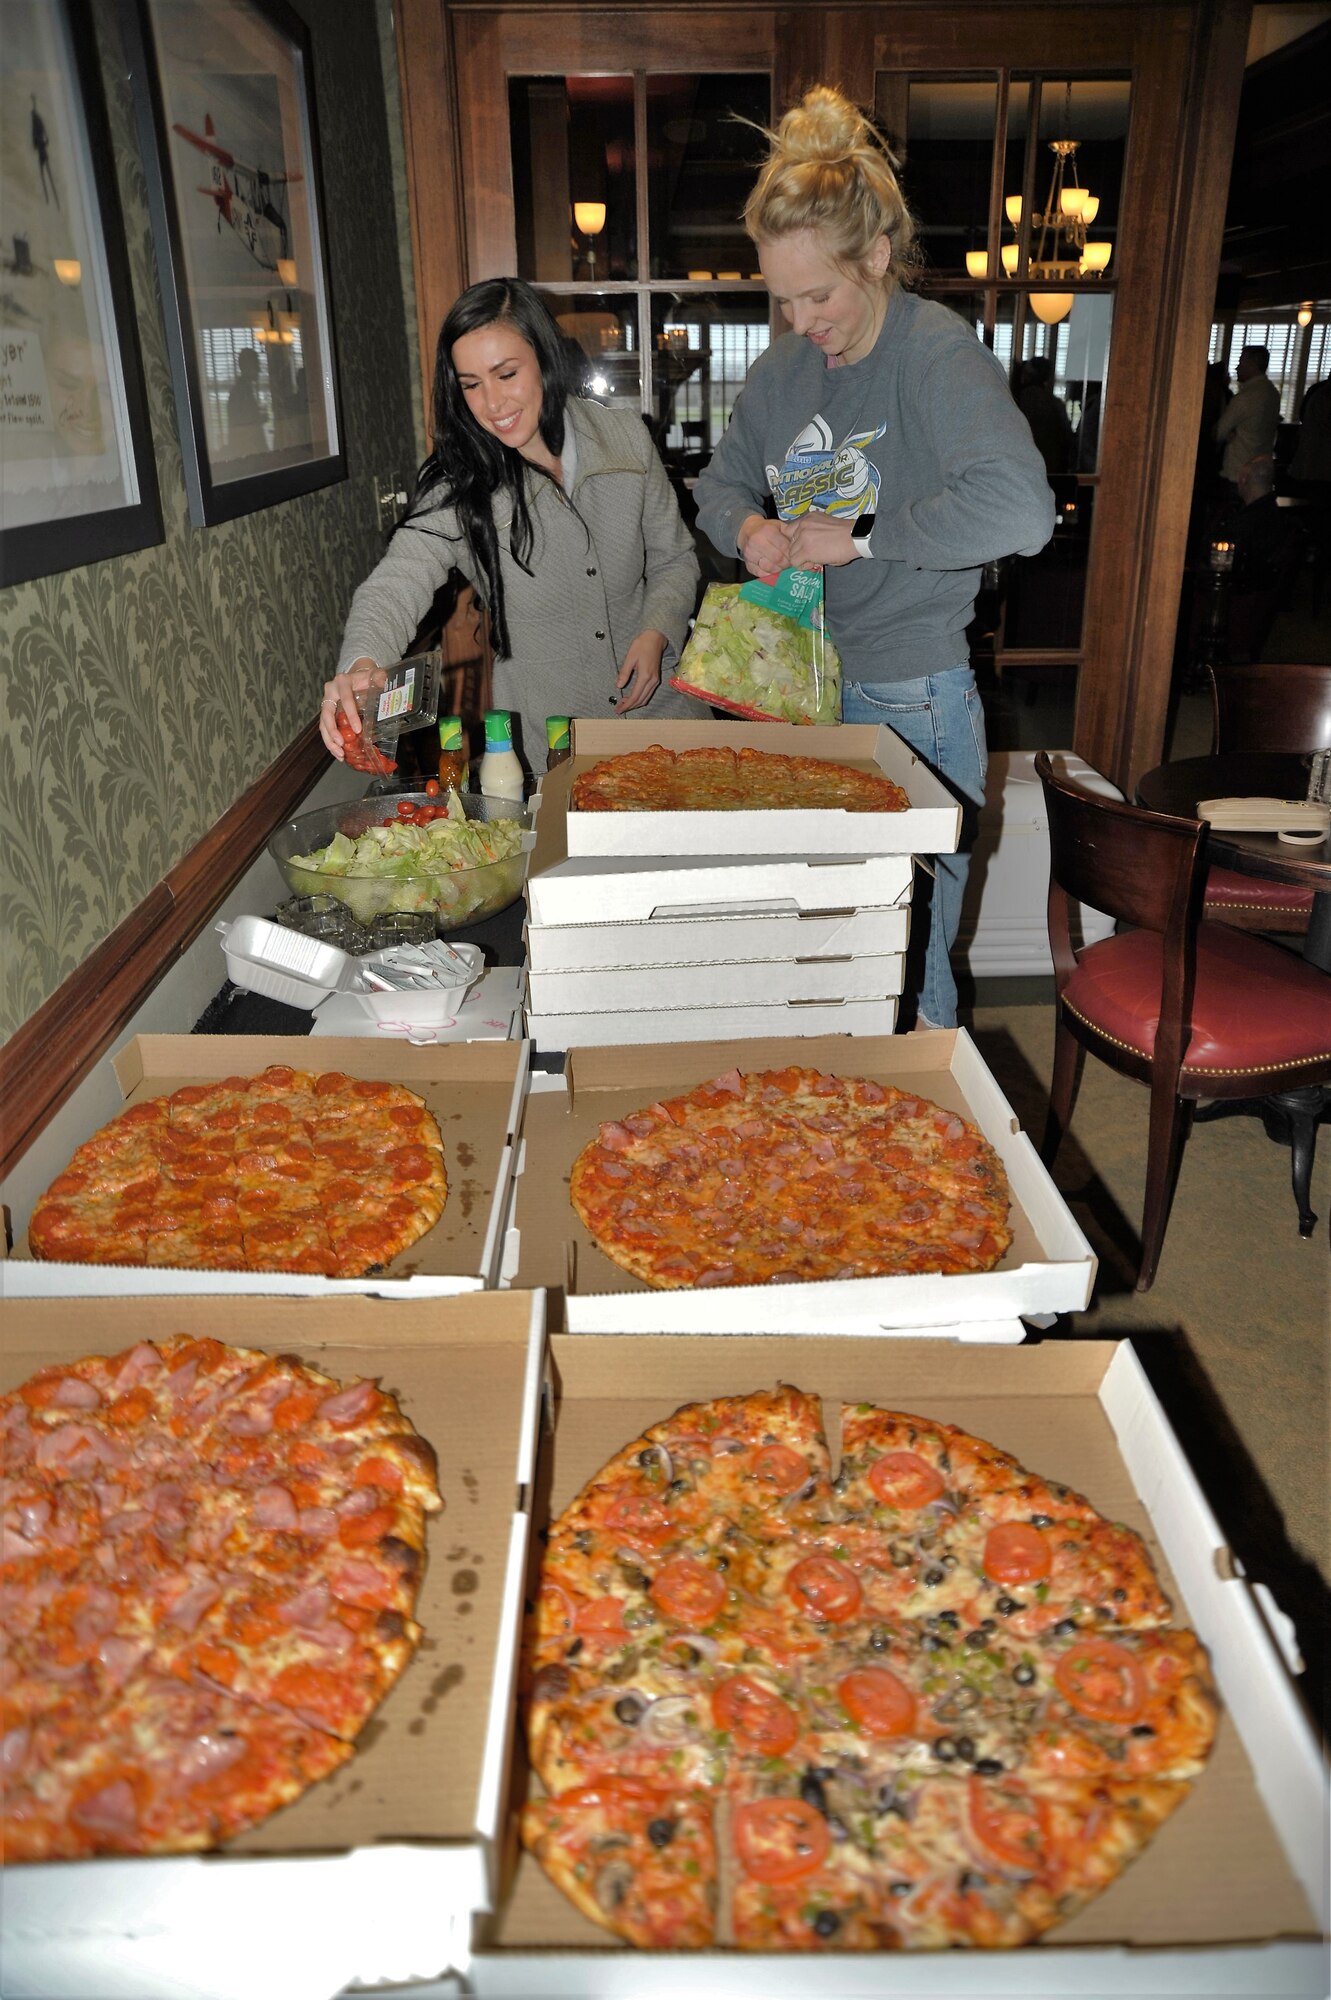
501, 768
558, 744
454, 762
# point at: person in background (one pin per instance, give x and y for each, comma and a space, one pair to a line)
245, 433
556, 510
1246, 427
1047, 415
885, 435
1269, 543
1311, 463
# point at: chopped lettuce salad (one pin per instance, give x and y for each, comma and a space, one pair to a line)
747, 655
456, 866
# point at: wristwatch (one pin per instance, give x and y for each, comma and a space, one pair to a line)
861, 532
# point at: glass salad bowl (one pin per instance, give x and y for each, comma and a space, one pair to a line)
375, 859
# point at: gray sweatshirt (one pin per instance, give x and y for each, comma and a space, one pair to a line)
923, 434
616, 562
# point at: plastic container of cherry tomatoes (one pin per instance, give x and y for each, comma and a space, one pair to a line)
399, 698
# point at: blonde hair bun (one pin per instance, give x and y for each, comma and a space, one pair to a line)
828, 170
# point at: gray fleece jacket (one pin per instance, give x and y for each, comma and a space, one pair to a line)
923, 434
608, 561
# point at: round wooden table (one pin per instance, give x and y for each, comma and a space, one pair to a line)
1176, 788
1290, 1116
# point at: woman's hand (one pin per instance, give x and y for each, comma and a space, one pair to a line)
764, 545
340, 693
640, 675
817, 541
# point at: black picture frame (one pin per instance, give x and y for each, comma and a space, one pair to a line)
224, 96
78, 483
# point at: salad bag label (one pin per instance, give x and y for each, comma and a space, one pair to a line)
760, 650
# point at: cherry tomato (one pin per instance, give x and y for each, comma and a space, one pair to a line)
406, 809
688, 1590
777, 1465
780, 1840
1008, 1825
824, 1588
1102, 1680
639, 1518
878, 1701
757, 1716
904, 1479
432, 788
1015, 1552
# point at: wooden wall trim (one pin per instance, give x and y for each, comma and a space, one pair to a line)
426, 75
44, 1062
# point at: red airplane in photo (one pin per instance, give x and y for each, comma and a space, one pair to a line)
246, 198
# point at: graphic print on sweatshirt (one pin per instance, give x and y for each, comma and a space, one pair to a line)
838, 479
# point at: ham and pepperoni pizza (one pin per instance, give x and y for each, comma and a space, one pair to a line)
925, 1699
720, 779
790, 1174
209, 1565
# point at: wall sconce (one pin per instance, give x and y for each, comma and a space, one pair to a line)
1304, 314
590, 219
67, 269
286, 271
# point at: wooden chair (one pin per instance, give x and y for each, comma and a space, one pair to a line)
1265, 706
1192, 1009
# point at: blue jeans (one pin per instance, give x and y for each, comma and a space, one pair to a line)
941, 718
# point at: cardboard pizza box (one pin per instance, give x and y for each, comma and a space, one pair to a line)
582, 889
374, 1874
675, 988
1231, 1894
818, 1018
932, 825
1049, 1268
713, 941
474, 1090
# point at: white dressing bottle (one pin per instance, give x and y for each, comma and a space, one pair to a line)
501, 774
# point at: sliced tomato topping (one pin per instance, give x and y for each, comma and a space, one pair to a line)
1015, 1552
639, 1518
823, 1587
1102, 1679
688, 1590
780, 1840
753, 1713
781, 1467
602, 1618
878, 1701
904, 1479
626, 1801
1008, 1826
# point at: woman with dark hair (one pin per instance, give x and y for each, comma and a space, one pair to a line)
559, 514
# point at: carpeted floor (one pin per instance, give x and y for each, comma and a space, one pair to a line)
1236, 1331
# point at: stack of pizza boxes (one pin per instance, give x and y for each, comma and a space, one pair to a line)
686, 926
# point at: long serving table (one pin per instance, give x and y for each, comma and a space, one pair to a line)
1178, 788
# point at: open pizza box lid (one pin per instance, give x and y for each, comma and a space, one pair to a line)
473, 1089
932, 825
1230, 1892
1049, 1268
376, 1873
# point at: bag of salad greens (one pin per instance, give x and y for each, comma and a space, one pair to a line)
759, 649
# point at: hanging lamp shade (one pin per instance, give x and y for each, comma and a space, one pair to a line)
1051, 307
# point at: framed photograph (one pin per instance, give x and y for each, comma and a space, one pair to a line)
225, 101
76, 468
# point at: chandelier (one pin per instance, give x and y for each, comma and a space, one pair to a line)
1060, 247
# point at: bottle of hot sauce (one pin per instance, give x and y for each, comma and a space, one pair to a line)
454, 763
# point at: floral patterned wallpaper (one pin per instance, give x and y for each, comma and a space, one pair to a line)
140, 697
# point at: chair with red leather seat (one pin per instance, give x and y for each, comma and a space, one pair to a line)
1192, 1009
1265, 706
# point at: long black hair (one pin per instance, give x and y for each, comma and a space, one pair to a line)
471, 465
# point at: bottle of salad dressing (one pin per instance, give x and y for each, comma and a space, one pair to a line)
501, 773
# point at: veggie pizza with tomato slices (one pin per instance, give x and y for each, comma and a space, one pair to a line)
210, 1560
935, 1700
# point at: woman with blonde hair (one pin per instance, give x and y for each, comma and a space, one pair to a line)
883, 436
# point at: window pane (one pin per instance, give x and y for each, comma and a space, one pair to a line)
703, 347
1282, 342
1077, 351
604, 325
947, 167
1078, 174
701, 163
571, 140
